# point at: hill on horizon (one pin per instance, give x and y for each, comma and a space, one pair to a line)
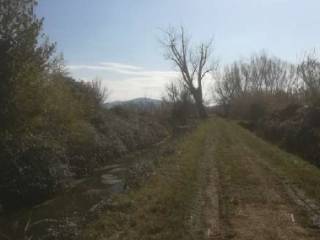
142, 103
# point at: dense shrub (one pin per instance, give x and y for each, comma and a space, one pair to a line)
53, 128
295, 128
31, 170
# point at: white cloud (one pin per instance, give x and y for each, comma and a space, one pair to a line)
128, 81
88, 67
125, 81
120, 66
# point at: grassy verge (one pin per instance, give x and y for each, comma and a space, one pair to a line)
292, 168
249, 166
161, 208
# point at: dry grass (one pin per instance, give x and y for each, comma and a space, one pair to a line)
251, 172
288, 166
162, 208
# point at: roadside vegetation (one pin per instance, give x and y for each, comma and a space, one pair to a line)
54, 128
265, 192
220, 180
288, 167
277, 99
162, 207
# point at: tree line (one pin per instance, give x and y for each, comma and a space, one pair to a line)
277, 99
249, 89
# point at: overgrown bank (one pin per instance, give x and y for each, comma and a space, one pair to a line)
290, 169
162, 208
53, 128
294, 128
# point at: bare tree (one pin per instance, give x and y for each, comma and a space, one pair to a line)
172, 91
262, 78
309, 72
100, 92
193, 63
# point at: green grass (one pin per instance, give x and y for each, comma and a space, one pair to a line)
160, 209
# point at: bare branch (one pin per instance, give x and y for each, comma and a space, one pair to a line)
192, 63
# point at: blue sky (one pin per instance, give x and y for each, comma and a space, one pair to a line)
117, 40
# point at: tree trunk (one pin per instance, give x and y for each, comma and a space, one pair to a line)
202, 112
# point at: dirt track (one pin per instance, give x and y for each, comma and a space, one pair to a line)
244, 198
220, 182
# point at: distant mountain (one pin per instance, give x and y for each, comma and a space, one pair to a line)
137, 103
